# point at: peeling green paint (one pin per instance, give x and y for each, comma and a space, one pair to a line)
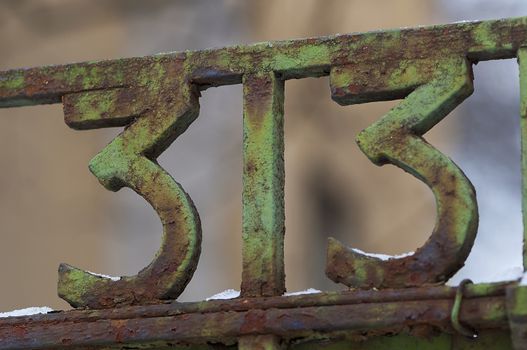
396, 139
129, 160
156, 99
484, 35
522, 62
15, 83
263, 186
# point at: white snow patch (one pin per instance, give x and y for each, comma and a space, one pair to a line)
452, 282
510, 274
382, 256
307, 291
27, 311
113, 278
523, 281
231, 294
226, 294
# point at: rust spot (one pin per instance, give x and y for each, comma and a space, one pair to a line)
253, 322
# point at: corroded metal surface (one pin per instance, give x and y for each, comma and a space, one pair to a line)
517, 295
162, 107
440, 85
263, 186
522, 62
259, 342
156, 98
356, 315
517, 315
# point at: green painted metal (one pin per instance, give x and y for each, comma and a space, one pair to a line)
353, 315
517, 315
456, 309
402, 299
495, 340
260, 342
439, 86
166, 109
263, 186
522, 63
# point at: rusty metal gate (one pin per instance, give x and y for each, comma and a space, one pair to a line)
401, 302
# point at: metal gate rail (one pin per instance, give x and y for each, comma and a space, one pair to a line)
157, 97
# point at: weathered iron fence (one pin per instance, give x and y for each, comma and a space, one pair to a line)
400, 302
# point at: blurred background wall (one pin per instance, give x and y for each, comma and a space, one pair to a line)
53, 210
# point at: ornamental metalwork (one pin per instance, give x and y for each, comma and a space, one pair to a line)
401, 302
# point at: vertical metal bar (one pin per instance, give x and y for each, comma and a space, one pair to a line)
259, 342
522, 61
263, 186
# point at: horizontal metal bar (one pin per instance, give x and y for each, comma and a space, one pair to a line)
224, 321
480, 40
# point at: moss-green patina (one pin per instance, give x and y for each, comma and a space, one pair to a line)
156, 99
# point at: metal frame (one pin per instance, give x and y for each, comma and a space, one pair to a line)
157, 98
